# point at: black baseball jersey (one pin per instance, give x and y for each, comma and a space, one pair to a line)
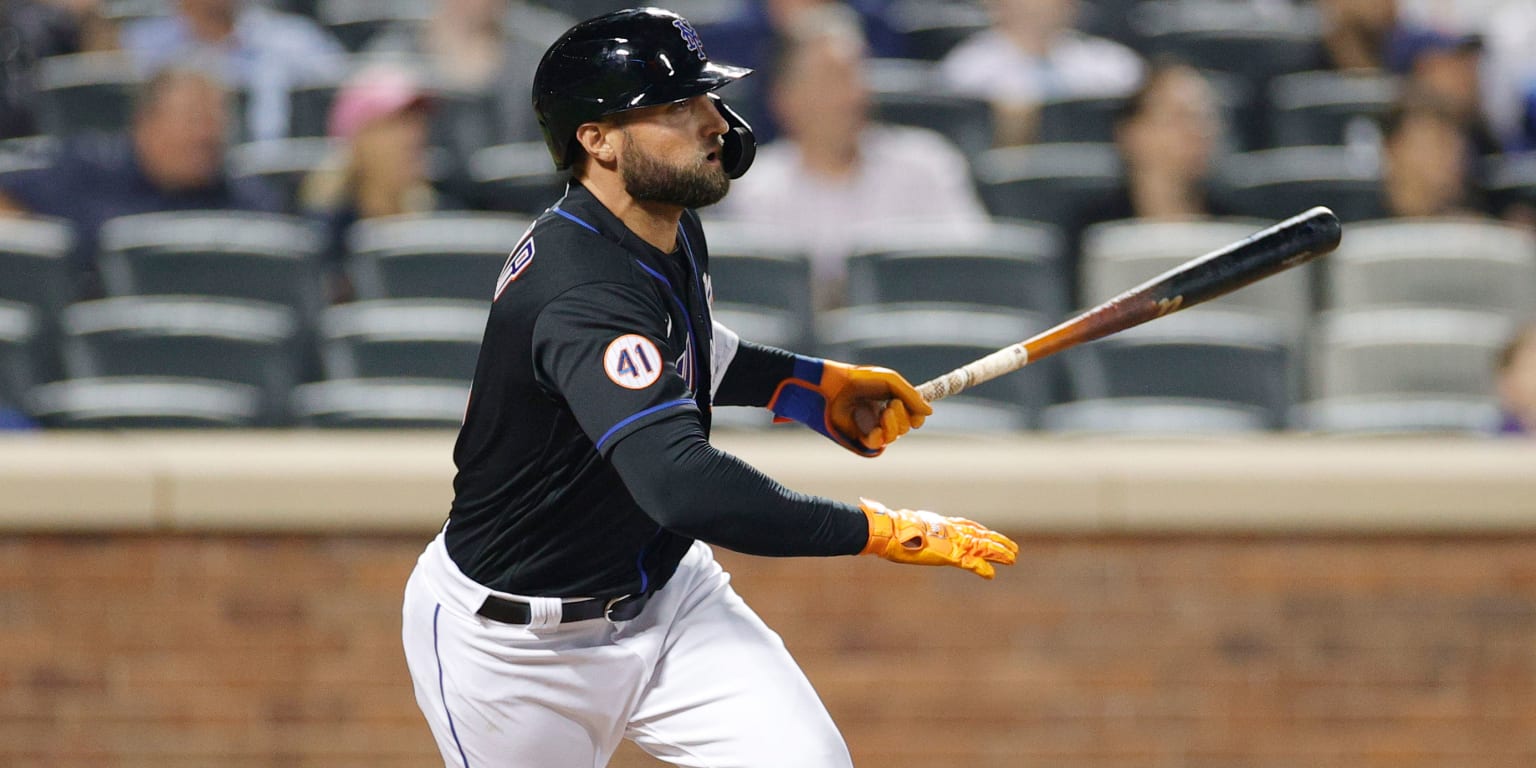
593, 335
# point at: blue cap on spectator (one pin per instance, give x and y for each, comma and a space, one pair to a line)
1411, 42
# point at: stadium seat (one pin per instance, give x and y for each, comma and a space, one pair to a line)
245, 342
433, 339
762, 291
1330, 108
1511, 182
1463, 263
1120, 255
34, 263
146, 402
28, 153
1252, 43
18, 329
1004, 266
1395, 414
1216, 356
309, 107
1276, 184
516, 177
908, 92
932, 29
381, 403
1091, 119
243, 255
447, 255
124, 11
926, 340
85, 92
1083, 118
36, 271
282, 164
1412, 350
1154, 416
462, 123
355, 22
1050, 183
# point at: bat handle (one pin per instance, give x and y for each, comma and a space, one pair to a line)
1005, 360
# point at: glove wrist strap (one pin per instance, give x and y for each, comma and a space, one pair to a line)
881, 530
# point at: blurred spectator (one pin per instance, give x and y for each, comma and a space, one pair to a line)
248, 45
1356, 33
92, 29
381, 117
1426, 157
39, 28
754, 36
1031, 54
833, 170
171, 158
1167, 136
1517, 382
1509, 74
32, 30
485, 47
1447, 67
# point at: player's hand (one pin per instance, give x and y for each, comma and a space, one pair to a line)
862, 408
924, 538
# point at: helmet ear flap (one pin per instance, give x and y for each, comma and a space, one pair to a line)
740, 147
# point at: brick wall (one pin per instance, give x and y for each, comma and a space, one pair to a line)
1203, 652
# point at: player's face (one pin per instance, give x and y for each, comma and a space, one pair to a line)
671, 154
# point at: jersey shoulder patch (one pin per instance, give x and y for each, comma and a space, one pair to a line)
517, 262
632, 361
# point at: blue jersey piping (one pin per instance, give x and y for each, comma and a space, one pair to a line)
648, 411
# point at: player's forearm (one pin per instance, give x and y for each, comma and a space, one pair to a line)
693, 489
755, 373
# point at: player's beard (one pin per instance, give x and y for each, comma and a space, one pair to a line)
649, 179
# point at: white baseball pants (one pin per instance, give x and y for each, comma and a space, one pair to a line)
696, 680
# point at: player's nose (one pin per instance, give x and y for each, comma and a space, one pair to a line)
714, 124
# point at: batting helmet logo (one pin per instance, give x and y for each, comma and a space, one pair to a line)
690, 38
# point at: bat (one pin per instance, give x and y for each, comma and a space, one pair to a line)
1294, 241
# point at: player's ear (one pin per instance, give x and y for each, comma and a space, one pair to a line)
596, 139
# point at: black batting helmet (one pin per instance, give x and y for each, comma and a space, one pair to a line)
624, 60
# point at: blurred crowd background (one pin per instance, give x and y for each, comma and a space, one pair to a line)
292, 212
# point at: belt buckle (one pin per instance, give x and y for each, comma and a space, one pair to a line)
621, 605
614, 603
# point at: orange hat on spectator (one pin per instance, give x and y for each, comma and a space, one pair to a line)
373, 93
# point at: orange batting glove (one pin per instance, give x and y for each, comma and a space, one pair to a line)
862, 408
924, 538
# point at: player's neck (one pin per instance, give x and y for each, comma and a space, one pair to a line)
655, 223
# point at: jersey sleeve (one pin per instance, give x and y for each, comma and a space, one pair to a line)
693, 489
600, 348
754, 374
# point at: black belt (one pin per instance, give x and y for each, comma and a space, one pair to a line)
622, 608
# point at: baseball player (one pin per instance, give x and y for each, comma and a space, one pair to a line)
571, 600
